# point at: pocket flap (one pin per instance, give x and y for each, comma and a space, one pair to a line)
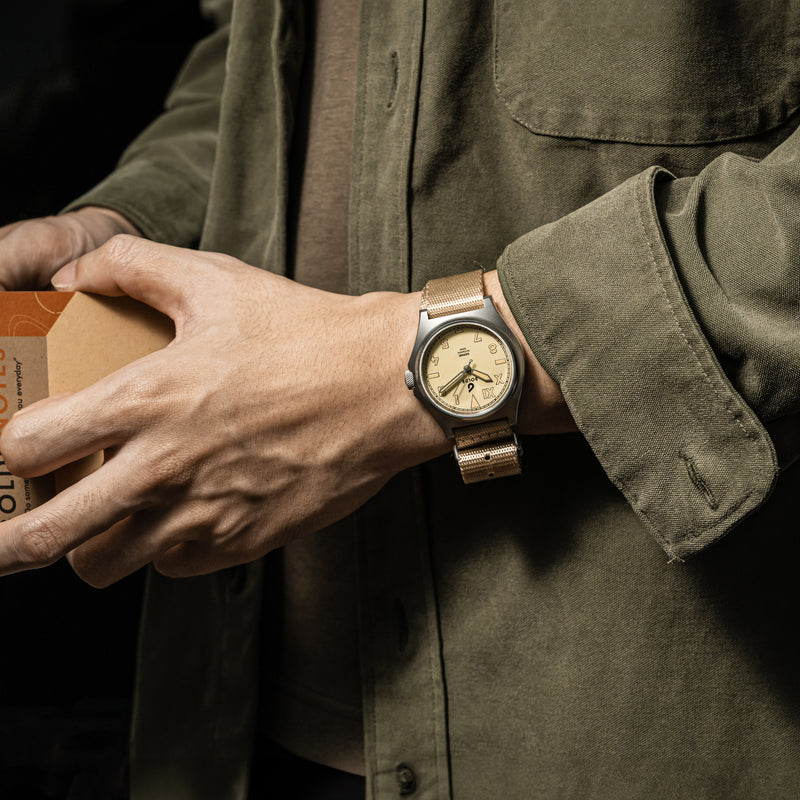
669, 72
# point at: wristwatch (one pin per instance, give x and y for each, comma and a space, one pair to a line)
467, 369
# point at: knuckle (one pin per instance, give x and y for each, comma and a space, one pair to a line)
40, 541
170, 470
170, 568
131, 401
90, 568
121, 249
11, 445
17, 447
181, 561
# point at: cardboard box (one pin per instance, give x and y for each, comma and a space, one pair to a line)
54, 342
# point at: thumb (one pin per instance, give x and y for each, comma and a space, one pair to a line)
156, 274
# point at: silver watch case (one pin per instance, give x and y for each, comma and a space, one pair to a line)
489, 318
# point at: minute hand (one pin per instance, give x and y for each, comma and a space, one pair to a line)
451, 384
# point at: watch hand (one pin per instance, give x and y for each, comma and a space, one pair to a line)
482, 375
451, 384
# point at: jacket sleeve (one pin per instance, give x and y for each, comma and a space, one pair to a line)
668, 312
161, 183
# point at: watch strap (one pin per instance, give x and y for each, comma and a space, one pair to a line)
443, 296
489, 449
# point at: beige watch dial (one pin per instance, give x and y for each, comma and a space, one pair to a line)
467, 370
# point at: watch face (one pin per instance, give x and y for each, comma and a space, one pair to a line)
467, 370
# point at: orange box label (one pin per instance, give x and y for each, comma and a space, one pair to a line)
53, 342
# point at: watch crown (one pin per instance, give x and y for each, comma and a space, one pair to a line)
409, 379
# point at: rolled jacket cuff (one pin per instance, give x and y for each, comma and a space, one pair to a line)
164, 204
598, 300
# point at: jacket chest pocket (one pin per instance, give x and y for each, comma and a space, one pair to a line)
648, 71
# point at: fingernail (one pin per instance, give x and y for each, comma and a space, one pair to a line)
65, 277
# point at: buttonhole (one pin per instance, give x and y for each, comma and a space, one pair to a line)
699, 483
395, 66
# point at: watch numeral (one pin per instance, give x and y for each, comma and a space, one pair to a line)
478, 337
435, 360
489, 392
475, 403
493, 348
445, 344
498, 379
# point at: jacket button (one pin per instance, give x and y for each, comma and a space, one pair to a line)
406, 779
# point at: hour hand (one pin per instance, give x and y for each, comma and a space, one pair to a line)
451, 384
482, 375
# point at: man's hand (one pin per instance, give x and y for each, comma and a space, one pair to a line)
33, 250
276, 410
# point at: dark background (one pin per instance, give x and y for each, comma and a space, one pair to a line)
78, 80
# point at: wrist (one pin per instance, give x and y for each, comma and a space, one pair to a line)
99, 224
400, 427
408, 429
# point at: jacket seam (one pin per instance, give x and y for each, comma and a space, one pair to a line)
642, 189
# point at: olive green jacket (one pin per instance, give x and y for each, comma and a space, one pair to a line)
631, 167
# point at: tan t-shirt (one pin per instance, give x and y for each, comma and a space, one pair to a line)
323, 145
316, 698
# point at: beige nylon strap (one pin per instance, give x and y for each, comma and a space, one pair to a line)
483, 433
453, 295
489, 449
